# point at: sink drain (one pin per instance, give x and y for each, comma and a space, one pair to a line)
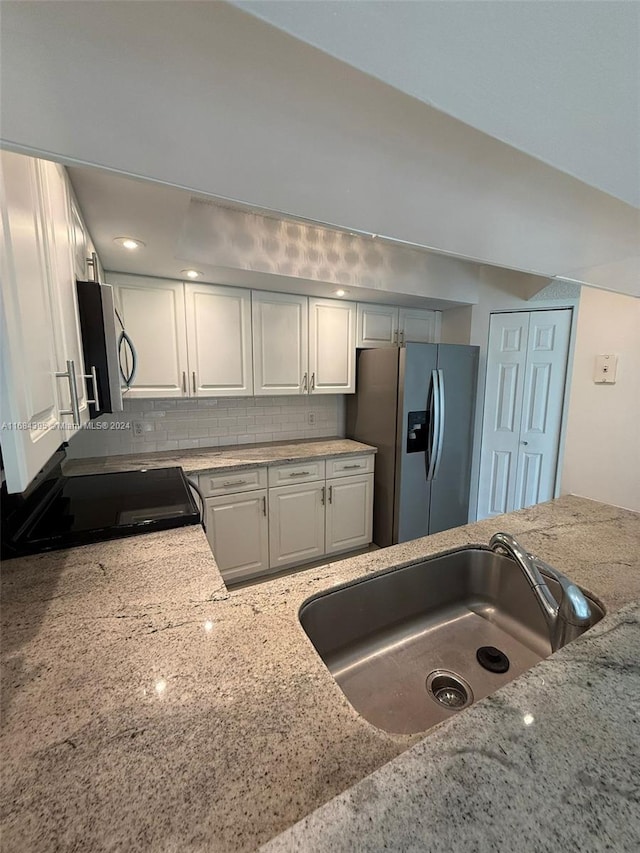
492, 659
448, 689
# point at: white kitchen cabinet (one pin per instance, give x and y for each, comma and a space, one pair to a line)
377, 325
58, 231
153, 313
349, 513
31, 396
238, 533
218, 340
296, 524
42, 343
388, 325
332, 346
418, 325
280, 343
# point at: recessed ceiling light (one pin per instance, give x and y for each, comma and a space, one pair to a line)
191, 273
128, 242
340, 292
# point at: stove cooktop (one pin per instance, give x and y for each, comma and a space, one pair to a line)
98, 507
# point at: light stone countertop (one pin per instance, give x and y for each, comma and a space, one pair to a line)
213, 459
147, 708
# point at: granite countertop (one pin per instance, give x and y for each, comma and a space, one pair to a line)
148, 708
212, 459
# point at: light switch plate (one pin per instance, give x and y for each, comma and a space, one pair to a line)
605, 369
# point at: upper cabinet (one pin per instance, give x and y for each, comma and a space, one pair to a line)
153, 313
388, 326
59, 236
43, 391
280, 343
303, 346
419, 326
205, 340
377, 325
332, 346
218, 340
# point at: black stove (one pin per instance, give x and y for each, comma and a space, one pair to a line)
70, 511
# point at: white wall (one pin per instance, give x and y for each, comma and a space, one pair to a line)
602, 454
202, 96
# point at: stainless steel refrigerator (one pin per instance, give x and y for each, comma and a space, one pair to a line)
416, 404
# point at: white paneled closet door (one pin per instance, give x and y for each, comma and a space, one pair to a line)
526, 373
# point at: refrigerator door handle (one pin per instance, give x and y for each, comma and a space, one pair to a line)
434, 425
440, 423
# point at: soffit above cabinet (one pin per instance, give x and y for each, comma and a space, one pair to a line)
232, 244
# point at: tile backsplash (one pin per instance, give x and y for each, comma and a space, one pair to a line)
151, 425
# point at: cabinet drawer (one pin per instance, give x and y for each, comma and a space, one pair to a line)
348, 465
229, 482
296, 472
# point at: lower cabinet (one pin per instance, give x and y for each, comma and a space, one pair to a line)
238, 533
296, 523
349, 513
260, 531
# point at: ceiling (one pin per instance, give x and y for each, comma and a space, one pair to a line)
557, 80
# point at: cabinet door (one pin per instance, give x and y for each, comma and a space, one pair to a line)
79, 241
219, 340
419, 326
238, 532
153, 313
56, 211
377, 325
280, 343
349, 513
296, 524
29, 393
332, 346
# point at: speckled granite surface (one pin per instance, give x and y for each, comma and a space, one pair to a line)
146, 708
231, 458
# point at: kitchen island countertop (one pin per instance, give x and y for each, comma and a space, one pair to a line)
148, 708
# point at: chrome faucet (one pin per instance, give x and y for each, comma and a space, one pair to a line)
567, 619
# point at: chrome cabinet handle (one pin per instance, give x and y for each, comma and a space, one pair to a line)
93, 376
305, 383
313, 383
395, 336
299, 473
322, 495
193, 379
94, 382
70, 374
235, 482
184, 381
401, 336
264, 505
330, 494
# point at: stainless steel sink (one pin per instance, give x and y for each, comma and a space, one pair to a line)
403, 645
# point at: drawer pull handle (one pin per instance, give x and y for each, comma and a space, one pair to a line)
330, 494
345, 467
322, 495
299, 473
264, 505
235, 482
